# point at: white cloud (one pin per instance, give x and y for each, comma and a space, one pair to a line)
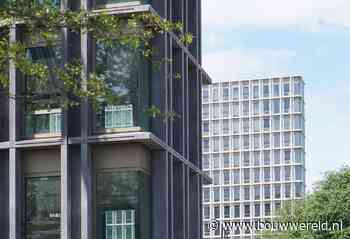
305, 14
237, 64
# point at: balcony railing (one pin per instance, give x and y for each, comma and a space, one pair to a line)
118, 116
43, 123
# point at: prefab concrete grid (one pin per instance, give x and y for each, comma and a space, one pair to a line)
175, 145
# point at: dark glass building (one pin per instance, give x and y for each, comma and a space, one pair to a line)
117, 173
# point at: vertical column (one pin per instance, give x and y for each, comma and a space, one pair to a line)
160, 199
15, 176
85, 166
65, 193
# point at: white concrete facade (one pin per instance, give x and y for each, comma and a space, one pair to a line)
253, 144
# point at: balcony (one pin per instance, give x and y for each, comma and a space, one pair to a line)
119, 3
43, 123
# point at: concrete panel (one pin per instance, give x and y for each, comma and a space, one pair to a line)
41, 162
114, 156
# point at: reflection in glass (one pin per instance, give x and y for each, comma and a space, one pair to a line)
42, 208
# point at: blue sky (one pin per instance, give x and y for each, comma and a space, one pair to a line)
244, 39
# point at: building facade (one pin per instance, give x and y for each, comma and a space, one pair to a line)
253, 148
115, 173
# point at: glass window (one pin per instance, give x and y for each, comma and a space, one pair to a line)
206, 195
246, 191
267, 158
205, 95
267, 175
236, 176
286, 89
267, 209
257, 210
216, 194
246, 144
235, 109
266, 140
216, 144
246, 159
245, 92
256, 109
277, 191
277, 173
226, 211
267, 191
298, 105
216, 127
277, 156
246, 175
298, 190
225, 126
298, 122
205, 127
298, 138
245, 108
276, 139
131, 84
256, 124
120, 210
216, 161
287, 158
236, 211
43, 207
235, 93
257, 192
286, 105
266, 91
226, 174
235, 143
226, 160
225, 110
255, 91
256, 156
276, 90
216, 111
287, 190
286, 122
215, 94
266, 106
266, 123
225, 93
217, 213
206, 213
256, 141
287, 173
205, 111
235, 126
205, 145
297, 87
286, 139
247, 210
226, 194
226, 143
298, 172
276, 106
236, 193
236, 160
245, 124
256, 175
206, 163
276, 123
299, 156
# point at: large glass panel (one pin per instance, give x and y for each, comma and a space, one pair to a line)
42, 208
123, 205
38, 118
127, 71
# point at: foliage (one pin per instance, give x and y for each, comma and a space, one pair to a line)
330, 202
66, 83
